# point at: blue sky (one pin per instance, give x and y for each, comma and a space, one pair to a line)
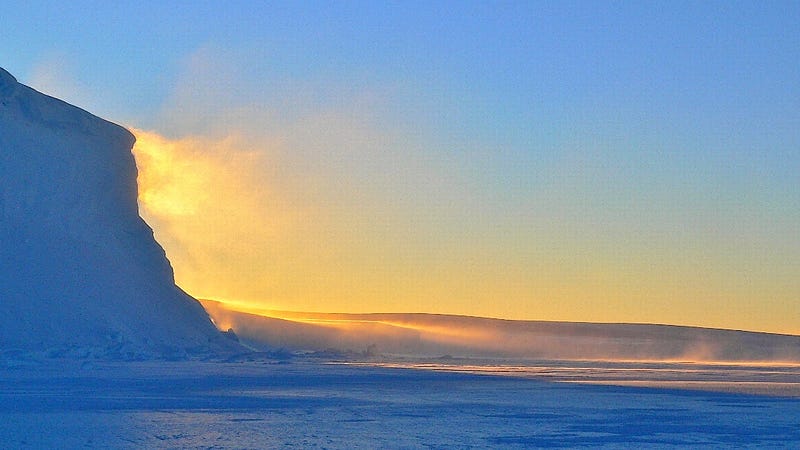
612, 161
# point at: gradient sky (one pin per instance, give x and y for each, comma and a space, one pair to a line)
584, 161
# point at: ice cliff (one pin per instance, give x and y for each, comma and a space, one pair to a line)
80, 271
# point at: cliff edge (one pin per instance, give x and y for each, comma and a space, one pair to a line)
80, 271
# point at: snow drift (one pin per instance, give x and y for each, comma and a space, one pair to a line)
80, 271
461, 336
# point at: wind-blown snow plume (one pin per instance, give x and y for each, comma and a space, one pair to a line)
436, 335
306, 195
211, 208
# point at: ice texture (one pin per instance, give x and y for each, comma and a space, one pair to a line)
80, 271
301, 404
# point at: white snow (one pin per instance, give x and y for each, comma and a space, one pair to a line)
304, 404
83, 285
80, 271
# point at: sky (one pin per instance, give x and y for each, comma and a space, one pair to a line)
582, 161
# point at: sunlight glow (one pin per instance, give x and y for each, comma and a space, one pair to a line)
169, 185
209, 208
426, 334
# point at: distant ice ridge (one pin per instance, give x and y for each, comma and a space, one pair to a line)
80, 271
430, 335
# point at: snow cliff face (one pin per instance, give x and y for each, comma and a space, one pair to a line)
80, 270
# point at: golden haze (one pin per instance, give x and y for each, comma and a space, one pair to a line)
239, 224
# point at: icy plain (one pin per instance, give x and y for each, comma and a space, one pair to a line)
99, 348
304, 402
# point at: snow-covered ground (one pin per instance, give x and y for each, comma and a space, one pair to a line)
81, 278
314, 403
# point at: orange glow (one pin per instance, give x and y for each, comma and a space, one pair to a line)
282, 223
341, 321
434, 333
209, 208
170, 184
418, 334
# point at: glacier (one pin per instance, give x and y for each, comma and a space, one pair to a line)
100, 349
80, 271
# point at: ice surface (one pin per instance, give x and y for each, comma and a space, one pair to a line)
80, 271
311, 404
84, 286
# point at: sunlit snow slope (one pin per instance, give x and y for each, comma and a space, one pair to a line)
80, 271
436, 334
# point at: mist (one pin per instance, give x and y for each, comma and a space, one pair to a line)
433, 335
255, 190
321, 194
